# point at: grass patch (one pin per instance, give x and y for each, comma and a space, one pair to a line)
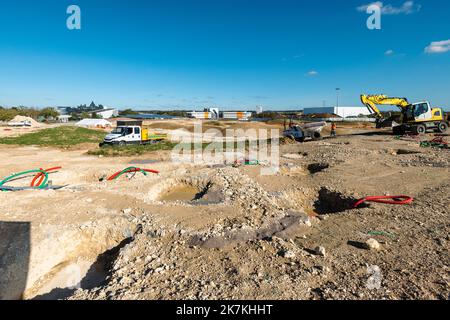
136, 149
131, 150
57, 137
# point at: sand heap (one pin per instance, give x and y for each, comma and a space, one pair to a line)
27, 121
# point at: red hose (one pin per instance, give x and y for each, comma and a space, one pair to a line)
132, 170
41, 176
383, 199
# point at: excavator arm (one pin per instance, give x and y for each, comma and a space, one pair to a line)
372, 101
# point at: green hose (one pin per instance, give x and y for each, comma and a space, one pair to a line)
124, 171
43, 184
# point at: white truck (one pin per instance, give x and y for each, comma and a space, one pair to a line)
132, 132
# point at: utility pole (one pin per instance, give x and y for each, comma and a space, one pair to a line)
337, 99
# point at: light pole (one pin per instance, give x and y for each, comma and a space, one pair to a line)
337, 99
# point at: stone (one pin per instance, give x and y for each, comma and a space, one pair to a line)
320, 251
372, 244
288, 254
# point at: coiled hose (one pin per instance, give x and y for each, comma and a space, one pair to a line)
387, 200
131, 170
40, 173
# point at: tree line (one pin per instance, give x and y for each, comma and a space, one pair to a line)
7, 114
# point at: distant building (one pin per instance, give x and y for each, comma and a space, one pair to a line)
259, 109
63, 118
149, 116
236, 115
200, 115
106, 113
343, 112
207, 113
214, 113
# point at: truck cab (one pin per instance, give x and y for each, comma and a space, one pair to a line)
124, 135
132, 132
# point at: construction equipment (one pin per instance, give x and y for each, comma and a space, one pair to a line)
416, 118
132, 132
301, 132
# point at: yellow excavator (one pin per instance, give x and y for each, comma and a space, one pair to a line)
416, 118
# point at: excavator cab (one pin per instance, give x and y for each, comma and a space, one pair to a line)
417, 112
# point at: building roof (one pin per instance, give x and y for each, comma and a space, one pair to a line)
93, 122
148, 116
102, 110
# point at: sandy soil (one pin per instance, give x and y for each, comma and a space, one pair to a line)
202, 232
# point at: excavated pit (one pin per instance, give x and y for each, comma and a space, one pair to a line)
63, 280
56, 261
191, 192
330, 202
184, 193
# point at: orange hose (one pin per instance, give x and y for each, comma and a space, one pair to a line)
41, 176
385, 199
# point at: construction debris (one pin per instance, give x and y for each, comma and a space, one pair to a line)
437, 142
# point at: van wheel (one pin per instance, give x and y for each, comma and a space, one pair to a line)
442, 127
122, 143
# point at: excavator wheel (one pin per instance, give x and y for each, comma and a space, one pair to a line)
399, 130
419, 129
442, 127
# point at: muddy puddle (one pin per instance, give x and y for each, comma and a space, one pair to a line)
192, 194
183, 193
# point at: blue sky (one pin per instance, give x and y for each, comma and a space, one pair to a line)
235, 54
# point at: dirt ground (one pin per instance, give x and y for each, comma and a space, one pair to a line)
210, 232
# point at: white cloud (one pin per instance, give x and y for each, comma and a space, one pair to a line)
408, 7
363, 8
438, 47
389, 52
313, 73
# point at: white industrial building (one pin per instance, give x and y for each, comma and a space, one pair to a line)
343, 112
236, 115
106, 113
